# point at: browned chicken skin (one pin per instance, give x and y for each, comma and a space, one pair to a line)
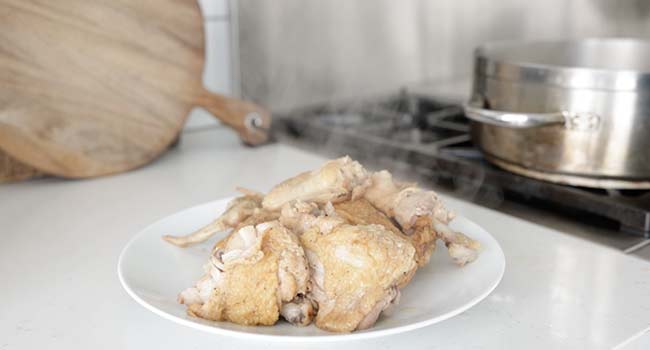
251, 277
334, 245
356, 270
361, 212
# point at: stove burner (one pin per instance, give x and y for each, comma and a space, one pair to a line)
431, 137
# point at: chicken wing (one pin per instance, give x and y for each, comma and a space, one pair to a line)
237, 211
421, 215
254, 275
356, 273
337, 180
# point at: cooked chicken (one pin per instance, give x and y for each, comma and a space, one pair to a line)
335, 243
300, 311
299, 216
337, 180
237, 211
421, 215
361, 212
254, 275
356, 273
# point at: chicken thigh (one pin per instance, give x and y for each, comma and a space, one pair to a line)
356, 273
254, 275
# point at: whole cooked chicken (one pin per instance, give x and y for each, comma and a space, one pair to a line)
334, 245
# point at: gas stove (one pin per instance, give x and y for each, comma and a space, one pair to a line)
428, 140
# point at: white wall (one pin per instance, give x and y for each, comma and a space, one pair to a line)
218, 71
297, 52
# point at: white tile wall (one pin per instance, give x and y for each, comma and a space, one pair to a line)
217, 72
214, 8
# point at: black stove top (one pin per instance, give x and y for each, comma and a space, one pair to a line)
430, 138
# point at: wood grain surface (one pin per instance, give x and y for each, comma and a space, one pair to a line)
13, 170
90, 88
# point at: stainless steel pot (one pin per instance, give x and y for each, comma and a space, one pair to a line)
575, 112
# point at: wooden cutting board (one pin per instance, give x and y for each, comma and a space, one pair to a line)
90, 88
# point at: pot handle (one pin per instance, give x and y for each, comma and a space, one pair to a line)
571, 120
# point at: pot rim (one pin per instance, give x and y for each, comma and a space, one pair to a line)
517, 61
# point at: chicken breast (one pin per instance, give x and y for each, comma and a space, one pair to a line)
254, 275
356, 273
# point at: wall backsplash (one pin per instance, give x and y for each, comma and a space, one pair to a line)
294, 52
219, 68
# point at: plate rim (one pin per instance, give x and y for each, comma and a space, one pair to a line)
296, 338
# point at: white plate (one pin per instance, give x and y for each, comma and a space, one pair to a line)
153, 272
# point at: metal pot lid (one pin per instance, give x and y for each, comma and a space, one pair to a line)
604, 64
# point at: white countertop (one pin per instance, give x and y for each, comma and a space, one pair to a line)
61, 240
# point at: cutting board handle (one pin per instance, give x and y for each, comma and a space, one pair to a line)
251, 121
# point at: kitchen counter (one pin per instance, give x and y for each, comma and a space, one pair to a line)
62, 239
